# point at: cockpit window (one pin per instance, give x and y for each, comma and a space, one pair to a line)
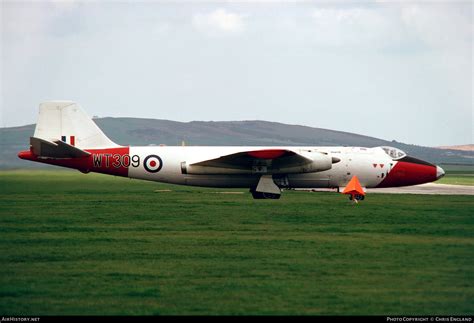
394, 153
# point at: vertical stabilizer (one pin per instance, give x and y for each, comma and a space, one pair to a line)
67, 122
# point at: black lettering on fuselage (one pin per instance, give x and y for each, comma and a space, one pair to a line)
117, 159
97, 160
135, 161
125, 160
107, 158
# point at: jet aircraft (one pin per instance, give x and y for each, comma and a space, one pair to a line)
65, 136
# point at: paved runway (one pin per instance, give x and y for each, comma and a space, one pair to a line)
429, 188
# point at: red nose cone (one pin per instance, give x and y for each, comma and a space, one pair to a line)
406, 173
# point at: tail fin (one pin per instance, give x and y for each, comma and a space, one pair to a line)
67, 122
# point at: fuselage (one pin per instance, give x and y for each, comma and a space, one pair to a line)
374, 167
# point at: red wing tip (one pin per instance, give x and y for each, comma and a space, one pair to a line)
267, 154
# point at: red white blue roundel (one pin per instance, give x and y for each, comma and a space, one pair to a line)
152, 163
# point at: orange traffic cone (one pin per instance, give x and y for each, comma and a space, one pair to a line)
353, 188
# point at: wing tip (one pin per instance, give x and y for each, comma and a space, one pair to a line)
268, 153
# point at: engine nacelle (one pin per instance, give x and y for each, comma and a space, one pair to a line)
320, 162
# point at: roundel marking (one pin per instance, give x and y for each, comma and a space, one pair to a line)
153, 163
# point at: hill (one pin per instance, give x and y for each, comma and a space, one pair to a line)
135, 131
459, 147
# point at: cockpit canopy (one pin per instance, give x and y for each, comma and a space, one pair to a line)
394, 153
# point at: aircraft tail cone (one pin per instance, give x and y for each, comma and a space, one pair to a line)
26, 154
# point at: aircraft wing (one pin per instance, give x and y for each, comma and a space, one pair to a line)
276, 158
55, 149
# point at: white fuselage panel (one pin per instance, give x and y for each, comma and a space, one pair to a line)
165, 164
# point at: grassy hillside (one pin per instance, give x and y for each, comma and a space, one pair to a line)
133, 131
92, 244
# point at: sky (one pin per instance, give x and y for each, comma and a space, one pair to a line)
393, 70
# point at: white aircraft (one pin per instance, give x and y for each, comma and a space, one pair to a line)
65, 136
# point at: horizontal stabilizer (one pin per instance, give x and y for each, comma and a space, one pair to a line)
56, 149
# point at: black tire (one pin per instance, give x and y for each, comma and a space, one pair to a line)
257, 195
264, 196
271, 196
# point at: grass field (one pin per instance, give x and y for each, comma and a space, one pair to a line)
92, 244
457, 180
458, 175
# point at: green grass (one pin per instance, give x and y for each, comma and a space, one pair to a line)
458, 175
92, 244
457, 180
458, 168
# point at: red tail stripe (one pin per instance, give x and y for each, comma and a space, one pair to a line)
109, 161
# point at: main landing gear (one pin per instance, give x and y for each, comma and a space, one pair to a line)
266, 189
262, 195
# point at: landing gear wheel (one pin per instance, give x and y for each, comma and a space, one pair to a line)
264, 196
358, 197
271, 196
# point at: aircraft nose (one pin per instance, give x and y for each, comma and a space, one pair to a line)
439, 172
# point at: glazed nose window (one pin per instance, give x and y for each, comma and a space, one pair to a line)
394, 153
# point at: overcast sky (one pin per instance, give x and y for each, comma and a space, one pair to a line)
393, 70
